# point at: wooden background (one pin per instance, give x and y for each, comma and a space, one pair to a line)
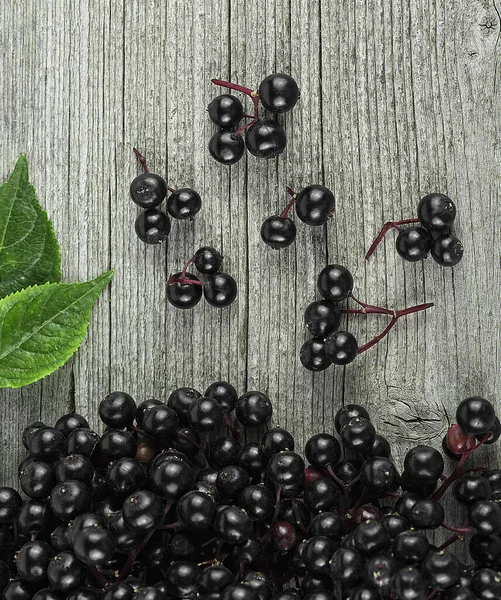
399, 98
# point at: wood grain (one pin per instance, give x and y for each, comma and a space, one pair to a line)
398, 99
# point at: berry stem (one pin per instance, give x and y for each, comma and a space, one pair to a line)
397, 314
370, 308
458, 471
384, 230
286, 210
234, 86
278, 492
182, 278
234, 431
186, 437
141, 159
457, 529
297, 516
99, 577
171, 189
451, 540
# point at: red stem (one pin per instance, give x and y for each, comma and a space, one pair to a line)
384, 230
297, 516
253, 94
458, 470
234, 431
99, 577
289, 206
396, 316
457, 529
370, 308
141, 159
182, 278
171, 189
450, 541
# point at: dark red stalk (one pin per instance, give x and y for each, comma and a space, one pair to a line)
141, 159
182, 278
457, 529
458, 471
99, 577
386, 227
171, 189
234, 431
253, 95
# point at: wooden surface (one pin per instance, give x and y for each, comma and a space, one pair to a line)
399, 98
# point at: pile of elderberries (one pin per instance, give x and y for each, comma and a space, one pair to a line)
170, 502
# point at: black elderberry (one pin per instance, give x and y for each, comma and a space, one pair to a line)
208, 260
148, 190
226, 147
413, 243
152, 226
475, 416
265, 139
184, 203
117, 410
279, 93
436, 211
226, 111
220, 289
335, 283
253, 409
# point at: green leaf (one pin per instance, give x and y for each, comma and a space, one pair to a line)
29, 251
42, 326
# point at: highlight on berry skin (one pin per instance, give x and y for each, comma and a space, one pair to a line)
314, 205
172, 501
435, 215
263, 137
184, 289
148, 190
331, 345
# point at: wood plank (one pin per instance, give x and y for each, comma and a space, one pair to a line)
398, 99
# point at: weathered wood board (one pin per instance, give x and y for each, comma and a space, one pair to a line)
399, 98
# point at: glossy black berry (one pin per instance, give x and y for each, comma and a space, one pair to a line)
341, 347
184, 203
253, 409
257, 501
253, 459
32, 561
485, 550
35, 516
424, 463
278, 93
471, 488
68, 423
278, 232
181, 578
346, 565
206, 414
224, 451
410, 547
161, 422
413, 243
226, 111
46, 443
115, 443
231, 480
82, 441
180, 400
395, 524
322, 450
65, 572
486, 584
184, 295
442, 569
93, 545
197, 510
347, 412
226, 148
69, 499
285, 468
275, 440
328, 524
317, 554
313, 356
117, 410
152, 226
208, 260
143, 511
379, 475
485, 517
495, 433
427, 514
314, 205
224, 393
10, 503
321, 495
436, 211
322, 318
148, 190
475, 416
410, 584
335, 283
371, 538
265, 139
358, 434
232, 525
447, 250
75, 466
220, 289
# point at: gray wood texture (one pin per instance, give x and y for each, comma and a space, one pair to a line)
399, 98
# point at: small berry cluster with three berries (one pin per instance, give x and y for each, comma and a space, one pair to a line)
148, 191
330, 345
167, 504
264, 138
314, 205
184, 290
436, 214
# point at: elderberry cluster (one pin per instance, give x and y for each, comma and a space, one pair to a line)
264, 138
436, 214
331, 345
184, 290
148, 191
167, 504
314, 205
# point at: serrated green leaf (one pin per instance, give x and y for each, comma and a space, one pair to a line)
42, 326
29, 250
